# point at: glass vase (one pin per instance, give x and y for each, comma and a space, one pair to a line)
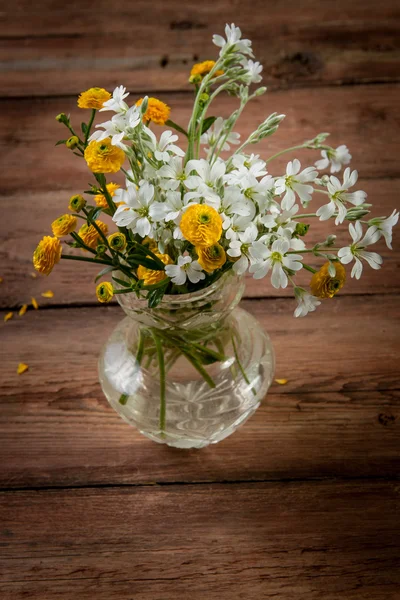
190, 371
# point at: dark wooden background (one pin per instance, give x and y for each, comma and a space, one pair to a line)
303, 502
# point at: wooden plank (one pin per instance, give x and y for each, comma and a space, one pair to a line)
337, 416
64, 48
365, 118
73, 283
286, 540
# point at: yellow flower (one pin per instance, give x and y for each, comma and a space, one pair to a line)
200, 69
64, 225
211, 258
157, 111
149, 276
101, 200
104, 292
47, 254
151, 244
76, 203
201, 225
103, 157
323, 285
89, 234
72, 142
93, 98
117, 241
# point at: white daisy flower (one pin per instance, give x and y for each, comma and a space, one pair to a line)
357, 249
295, 183
241, 247
164, 146
207, 180
275, 259
116, 103
305, 302
174, 173
339, 195
335, 158
253, 71
233, 41
185, 269
385, 225
247, 164
210, 137
139, 212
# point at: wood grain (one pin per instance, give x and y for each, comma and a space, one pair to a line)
338, 415
64, 48
287, 540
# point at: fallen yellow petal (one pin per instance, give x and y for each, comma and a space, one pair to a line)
8, 316
1, 280
34, 303
281, 381
48, 294
22, 367
23, 310
33, 275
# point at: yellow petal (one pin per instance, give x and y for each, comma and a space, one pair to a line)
22, 367
34, 303
281, 381
48, 294
8, 316
1, 280
33, 275
23, 310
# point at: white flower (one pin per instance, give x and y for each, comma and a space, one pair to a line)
241, 247
233, 38
247, 164
253, 71
295, 183
305, 302
385, 226
283, 218
339, 195
275, 258
122, 369
185, 269
336, 158
211, 136
357, 249
138, 212
174, 173
208, 178
162, 148
116, 103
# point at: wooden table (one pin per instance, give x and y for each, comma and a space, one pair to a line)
303, 502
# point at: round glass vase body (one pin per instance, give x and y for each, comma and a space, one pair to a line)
190, 371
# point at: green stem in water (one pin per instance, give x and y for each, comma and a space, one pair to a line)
123, 399
161, 367
240, 365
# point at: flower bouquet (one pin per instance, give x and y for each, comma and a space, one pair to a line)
186, 366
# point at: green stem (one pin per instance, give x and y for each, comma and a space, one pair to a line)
306, 215
174, 125
241, 366
100, 178
140, 349
97, 228
123, 399
161, 367
308, 268
299, 147
89, 127
82, 258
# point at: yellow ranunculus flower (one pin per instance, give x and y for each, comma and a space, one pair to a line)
151, 277
100, 199
200, 69
76, 203
103, 157
64, 225
323, 285
157, 111
201, 225
72, 142
104, 292
117, 241
93, 98
47, 254
211, 258
89, 234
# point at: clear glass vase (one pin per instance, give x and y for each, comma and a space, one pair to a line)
189, 372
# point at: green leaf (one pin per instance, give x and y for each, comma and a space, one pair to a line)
155, 296
103, 272
121, 281
95, 212
84, 128
140, 260
207, 124
170, 123
60, 142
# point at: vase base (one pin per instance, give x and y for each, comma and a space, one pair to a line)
196, 414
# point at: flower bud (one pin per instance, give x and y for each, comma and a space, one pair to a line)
72, 142
260, 91
76, 203
104, 292
203, 99
62, 118
101, 249
117, 241
302, 228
